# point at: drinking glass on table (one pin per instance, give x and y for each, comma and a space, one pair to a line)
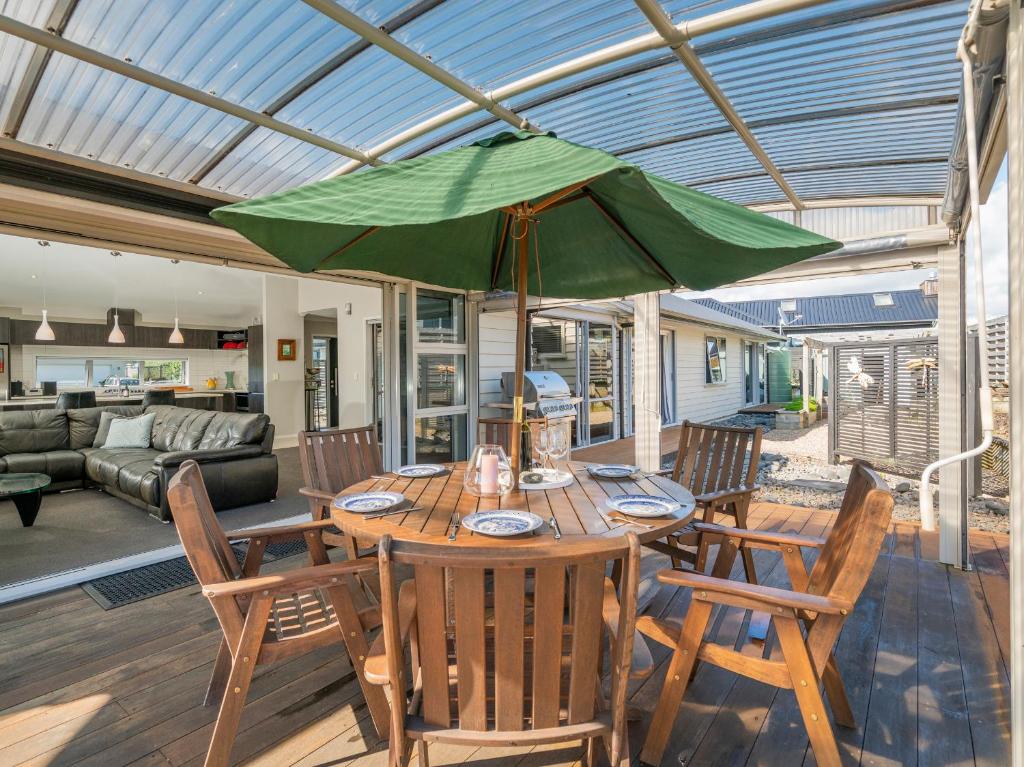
558, 442
541, 444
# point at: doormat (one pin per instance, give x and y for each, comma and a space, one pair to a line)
141, 583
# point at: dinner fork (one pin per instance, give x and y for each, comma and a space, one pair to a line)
624, 521
455, 523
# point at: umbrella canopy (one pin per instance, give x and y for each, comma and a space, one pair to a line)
603, 228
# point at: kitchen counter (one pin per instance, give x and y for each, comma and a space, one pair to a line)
203, 399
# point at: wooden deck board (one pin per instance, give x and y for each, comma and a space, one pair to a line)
924, 658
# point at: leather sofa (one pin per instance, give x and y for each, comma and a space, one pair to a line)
233, 450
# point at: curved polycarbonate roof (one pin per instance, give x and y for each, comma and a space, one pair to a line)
850, 98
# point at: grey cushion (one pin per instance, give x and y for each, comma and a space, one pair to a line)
130, 432
33, 431
234, 429
60, 465
84, 423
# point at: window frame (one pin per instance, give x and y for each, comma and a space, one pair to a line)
721, 354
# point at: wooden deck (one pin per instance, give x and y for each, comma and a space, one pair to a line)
624, 450
925, 657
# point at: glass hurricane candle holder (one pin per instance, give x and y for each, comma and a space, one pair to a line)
489, 473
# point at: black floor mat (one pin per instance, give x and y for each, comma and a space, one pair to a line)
144, 582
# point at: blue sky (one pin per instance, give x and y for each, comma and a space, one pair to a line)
994, 245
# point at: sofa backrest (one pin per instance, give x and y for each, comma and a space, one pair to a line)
33, 431
83, 422
178, 428
234, 429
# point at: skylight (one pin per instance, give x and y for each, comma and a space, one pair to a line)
788, 305
883, 299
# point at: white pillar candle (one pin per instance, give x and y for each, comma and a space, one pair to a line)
489, 474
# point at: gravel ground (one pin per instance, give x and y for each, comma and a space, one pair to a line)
794, 470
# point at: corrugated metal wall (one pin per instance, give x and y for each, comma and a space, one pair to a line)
858, 222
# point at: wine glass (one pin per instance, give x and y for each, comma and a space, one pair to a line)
541, 441
558, 442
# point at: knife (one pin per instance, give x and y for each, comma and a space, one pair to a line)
393, 511
455, 524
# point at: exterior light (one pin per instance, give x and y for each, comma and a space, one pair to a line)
44, 332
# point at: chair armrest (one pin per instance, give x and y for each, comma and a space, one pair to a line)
178, 457
721, 496
376, 668
318, 576
753, 596
764, 537
318, 495
642, 663
280, 532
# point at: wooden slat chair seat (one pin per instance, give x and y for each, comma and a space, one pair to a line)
805, 619
718, 464
498, 431
266, 618
507, 664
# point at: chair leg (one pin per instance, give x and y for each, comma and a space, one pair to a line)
219, 678
358, 648
748, 565
836, 692
590, 753
242, 665
808, 696
676, 680
421, 753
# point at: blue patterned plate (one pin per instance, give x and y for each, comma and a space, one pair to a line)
642, 505
419, 470
366, 503
612, 471
502, 523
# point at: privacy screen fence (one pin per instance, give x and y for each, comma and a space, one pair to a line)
884, 403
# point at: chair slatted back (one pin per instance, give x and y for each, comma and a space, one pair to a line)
206, 547
524, 634
498, 431
848, 556
338, 458
713, 458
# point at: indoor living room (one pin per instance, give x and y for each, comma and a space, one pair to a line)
93, 340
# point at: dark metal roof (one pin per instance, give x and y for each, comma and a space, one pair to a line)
909, 308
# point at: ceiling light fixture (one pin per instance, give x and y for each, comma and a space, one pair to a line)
176, 336
44, 332
116, 334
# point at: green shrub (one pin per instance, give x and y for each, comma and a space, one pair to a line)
797, 404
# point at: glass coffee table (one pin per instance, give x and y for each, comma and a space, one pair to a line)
26, 492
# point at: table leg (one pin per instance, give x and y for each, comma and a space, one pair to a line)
27, 505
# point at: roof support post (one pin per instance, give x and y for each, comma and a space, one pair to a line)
677, 40
1015, 334
647, 380
133, 72
805, 380
952, 404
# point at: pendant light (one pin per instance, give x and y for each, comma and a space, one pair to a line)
176, 336
116, 334
44, 332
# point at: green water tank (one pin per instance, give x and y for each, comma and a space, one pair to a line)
779, 387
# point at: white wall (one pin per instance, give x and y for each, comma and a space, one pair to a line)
355, 405
283, 380
695, 399
202, 363
497, 341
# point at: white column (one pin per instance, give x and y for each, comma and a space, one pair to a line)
819, 376
952, 401
1015, 334
805, 379
647, 380
283, 379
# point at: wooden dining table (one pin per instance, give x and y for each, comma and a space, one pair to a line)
579, 509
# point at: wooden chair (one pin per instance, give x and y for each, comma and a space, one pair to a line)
331, 461
818, 604
271, 617
719, 466
498, 431
505, 664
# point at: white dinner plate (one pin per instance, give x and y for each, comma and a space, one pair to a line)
612, 470
502, 523
366, 503
420, 470
642, 505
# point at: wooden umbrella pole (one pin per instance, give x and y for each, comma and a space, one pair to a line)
523, 220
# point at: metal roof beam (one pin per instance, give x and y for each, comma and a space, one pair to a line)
677, 39
334, 63
714, 22
385, 41
55, 24
123, 68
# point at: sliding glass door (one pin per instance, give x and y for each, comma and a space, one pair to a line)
601, 379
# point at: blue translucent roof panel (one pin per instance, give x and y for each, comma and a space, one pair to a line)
15, 53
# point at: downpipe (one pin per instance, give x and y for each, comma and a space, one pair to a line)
985, 392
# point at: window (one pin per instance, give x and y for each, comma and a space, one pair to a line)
440, 317
109, 372
547, 339
883, 299
788, 304
714, 360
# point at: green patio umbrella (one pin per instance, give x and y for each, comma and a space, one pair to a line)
523, 212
